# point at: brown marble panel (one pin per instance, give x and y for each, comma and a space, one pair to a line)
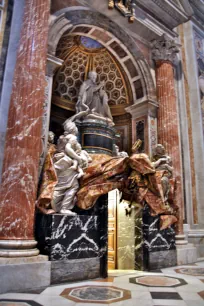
82, 29
101, 35
118, 49
201, 294
131, 68
138, 89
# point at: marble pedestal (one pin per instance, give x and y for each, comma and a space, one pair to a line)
72, 244
159, 250
196, 237
96, 136
25, 273
186, 254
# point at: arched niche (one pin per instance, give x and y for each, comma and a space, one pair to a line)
137, 115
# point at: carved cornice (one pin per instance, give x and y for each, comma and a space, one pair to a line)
146, 107
166, 9
52, 64
169, 12
164, 49
186, 6
198, 7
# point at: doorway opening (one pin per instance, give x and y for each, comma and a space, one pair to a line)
121, 233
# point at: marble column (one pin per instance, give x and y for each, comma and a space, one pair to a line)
23, 139
164, 53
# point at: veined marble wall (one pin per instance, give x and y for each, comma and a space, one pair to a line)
192, 64
192, 41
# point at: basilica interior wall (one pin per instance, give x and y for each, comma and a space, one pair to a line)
139, 73
191, 119
195, 118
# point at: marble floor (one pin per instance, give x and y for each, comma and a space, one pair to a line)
182, 286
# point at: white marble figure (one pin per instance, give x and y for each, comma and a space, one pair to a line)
69, 162
93, 100
116, 152
163, 162
51, 137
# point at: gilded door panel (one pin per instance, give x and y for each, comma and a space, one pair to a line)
112, 238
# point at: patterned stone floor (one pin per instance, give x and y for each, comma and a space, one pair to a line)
181, 286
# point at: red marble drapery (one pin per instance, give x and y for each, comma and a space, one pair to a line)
23, 139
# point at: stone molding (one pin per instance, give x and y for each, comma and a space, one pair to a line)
58, 25
169, 13
196, 233
198, 8
143, 108
52, 63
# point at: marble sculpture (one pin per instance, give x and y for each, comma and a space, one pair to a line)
142, 180
116, 152
93, 100
137, 177
66, 163
163, 163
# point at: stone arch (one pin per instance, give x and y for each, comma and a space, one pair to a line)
83, 21
79, 55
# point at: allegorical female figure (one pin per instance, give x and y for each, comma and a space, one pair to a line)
66, 164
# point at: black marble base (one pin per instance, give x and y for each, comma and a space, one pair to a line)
75, 243
64, 237
96, 136
159, 248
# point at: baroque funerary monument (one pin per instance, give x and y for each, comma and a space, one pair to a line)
101, 137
